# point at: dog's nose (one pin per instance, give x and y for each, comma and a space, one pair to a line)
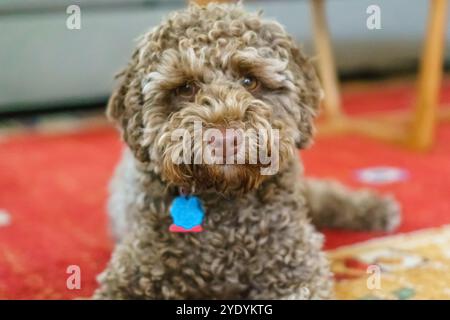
229, 141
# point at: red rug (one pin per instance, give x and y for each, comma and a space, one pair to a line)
53, 190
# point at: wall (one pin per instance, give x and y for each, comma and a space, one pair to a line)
42, 63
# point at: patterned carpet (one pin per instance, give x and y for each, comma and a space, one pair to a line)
53, 189
408, 266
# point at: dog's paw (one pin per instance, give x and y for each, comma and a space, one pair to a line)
382, 213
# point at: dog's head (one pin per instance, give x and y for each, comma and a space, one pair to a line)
214, 83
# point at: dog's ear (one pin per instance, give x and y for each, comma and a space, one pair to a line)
123, 96
115, 108
309, 94
125, 108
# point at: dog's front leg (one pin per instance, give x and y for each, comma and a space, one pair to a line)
332, 205
128, 274
115, 282
320, 290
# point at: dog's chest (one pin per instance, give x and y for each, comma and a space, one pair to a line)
237, 245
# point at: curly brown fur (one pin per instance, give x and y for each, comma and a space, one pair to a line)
332, 205
258, 240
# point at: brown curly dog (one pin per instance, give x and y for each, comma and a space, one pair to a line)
224, 68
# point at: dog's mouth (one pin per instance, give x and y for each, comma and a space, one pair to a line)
219, 178
226, 162
227, 178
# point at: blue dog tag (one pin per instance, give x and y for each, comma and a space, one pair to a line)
187, 214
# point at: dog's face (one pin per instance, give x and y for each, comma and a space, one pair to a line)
220, 71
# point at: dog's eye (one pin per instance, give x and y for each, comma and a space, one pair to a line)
187, 90
250, 83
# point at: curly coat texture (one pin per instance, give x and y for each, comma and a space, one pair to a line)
259, 242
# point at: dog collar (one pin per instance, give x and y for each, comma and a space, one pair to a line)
187, 213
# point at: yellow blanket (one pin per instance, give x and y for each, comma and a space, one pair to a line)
407, 266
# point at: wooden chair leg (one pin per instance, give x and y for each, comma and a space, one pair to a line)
327, 69
424, 119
